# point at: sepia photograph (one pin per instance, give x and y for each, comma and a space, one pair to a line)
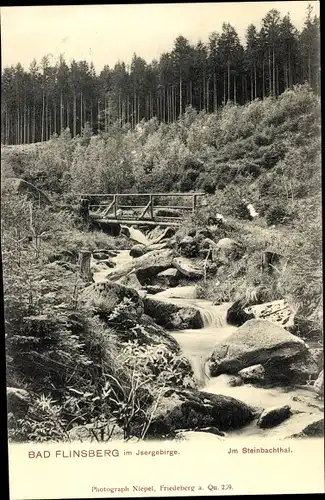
161, 247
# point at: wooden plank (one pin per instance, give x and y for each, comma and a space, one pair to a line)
143, 222
138, 194
133, 207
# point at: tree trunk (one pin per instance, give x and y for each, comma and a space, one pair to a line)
61, 112
263, 81
273, 68
235, 89
74, 114
47, 118
255, 83
54, 112
270, 74
252, 90
228, 96
25, 123
81, 113
224, 88
43, 112
207, 94
84, 265
289, 68
180, 96
28, 125
98, 116
34, 122
215, 97
68, 115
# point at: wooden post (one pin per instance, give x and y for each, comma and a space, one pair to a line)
84, 209
194, 203
84, 265
151, 206
114, 206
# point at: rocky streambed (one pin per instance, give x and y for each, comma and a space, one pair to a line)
254, 377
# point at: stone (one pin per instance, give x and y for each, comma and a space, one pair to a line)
18, 401
154, 289
158, 234
255, 342
318, 356
101, 255
228, 249
319, 384
188, 409
188, 247
315, 429
169, 277
277, 311
131, 281
172, 316
303, 425
106, 295
274, 416
235, 382
237, 315
146, 266
254, 373
301, 369
187, 268
137, 250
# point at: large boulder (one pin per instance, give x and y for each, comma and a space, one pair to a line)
104, 296
277, 311
170, 277
146, 266
274, 416
257, 342
172, 316
188, 409
188, 268
18, 401
301, 369
304, 425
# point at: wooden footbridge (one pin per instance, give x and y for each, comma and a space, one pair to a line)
134, 209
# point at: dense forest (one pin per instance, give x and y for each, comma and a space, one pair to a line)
51, 97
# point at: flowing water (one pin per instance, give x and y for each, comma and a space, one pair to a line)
197, 345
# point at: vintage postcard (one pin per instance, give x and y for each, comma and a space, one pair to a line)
162, 249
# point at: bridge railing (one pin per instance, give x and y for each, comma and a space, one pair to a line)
115, 209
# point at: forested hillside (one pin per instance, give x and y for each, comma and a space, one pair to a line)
52, 96
266, 152
95, 352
